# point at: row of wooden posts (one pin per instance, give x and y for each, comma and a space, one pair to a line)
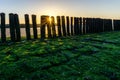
66, 26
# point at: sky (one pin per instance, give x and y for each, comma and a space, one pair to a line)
78, 8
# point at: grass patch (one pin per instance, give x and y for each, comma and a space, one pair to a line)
86, 57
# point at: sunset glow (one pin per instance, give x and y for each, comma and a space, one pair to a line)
78, 8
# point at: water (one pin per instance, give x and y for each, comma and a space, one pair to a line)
23, 33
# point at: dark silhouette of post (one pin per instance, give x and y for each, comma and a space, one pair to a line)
48, 27
3, 29
68, 25
27, 24
17, 27
34, 24
12, 27
110, 23
76, 25
45, 21
72, 26
87, 25
96, 25
80, 25
116, 24
63, 26
107, 25
43, 24
59, 26
84, 25
90, 25
102, 24
53, 26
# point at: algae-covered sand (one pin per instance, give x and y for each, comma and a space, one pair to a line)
83, 57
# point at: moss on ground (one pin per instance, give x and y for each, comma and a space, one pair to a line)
83, 57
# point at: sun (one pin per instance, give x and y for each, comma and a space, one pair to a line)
50, 19
51, 14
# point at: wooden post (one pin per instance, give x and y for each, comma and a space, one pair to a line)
90, 25
97, 26
43, 24
71, 25
102, 21
12, 27
34, 24
68, 26
84, 25
3, 29
63, 26
87, 25
48, 26
110, 23
75, 25
27, 24
95, 20
53, 26
80, 25
116, 25
59, 26
93, 25
17, 27
100, 25
107, 24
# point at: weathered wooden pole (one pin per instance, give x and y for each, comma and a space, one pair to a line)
53, 26
116, 24
75, 25
17, 27
94, 25
100, 24
80, 25
34, 24
87, 25
84, 25
71, 25
43, 24
63, 26
104, 25
3, 29
27, 24
59, 26
97, 26
68, 25
90, 25
110, 23
48, 27
107, 25
12, 27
